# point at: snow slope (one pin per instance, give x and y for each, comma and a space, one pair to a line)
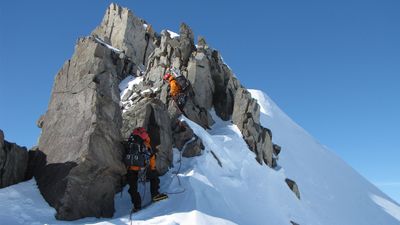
241, 191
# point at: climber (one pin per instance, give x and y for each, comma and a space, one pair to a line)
140, 159
179, 87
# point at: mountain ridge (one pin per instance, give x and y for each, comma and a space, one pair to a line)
221, 115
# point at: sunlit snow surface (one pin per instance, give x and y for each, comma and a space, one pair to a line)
172, 34
128, 83
241, 191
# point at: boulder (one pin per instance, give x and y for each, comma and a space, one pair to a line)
13, 162
197, 114
277, 149
182, 133
293, 186
81, 139
193, 147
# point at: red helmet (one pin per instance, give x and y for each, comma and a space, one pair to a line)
167, 76
141, 132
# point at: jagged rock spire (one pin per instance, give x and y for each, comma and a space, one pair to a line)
81, 130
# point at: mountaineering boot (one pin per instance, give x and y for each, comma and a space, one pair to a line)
159, 197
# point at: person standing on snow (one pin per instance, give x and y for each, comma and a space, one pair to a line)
141, 158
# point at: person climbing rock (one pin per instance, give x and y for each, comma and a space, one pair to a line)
179, 87
140, 160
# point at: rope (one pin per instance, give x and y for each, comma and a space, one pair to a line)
179, 179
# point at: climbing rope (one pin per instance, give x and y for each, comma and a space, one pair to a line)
176, 175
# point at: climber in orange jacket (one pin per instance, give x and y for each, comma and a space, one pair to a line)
176, 91
140, 157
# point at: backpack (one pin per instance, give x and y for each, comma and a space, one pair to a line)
182, 82
136, 152
180, 79
181, 100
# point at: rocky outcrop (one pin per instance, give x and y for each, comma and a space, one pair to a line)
123, 30
293, 186
199, 75
13, 162
81, 135
246, 115
213, 86
186, 141
226, 86
193, 147
178, 52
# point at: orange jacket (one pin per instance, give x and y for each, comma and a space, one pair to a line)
175, 89
152, 158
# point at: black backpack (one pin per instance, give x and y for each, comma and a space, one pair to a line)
183, 82
136, 152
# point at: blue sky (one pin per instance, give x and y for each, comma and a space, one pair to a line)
333, 67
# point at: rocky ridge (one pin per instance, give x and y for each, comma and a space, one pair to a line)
80, 146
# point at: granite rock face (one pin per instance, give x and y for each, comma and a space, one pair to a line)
81, 134
13, 162
123, 30
246, 115
199, 75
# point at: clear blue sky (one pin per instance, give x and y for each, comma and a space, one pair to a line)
334, 67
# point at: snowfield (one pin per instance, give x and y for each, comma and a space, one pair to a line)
241, 191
